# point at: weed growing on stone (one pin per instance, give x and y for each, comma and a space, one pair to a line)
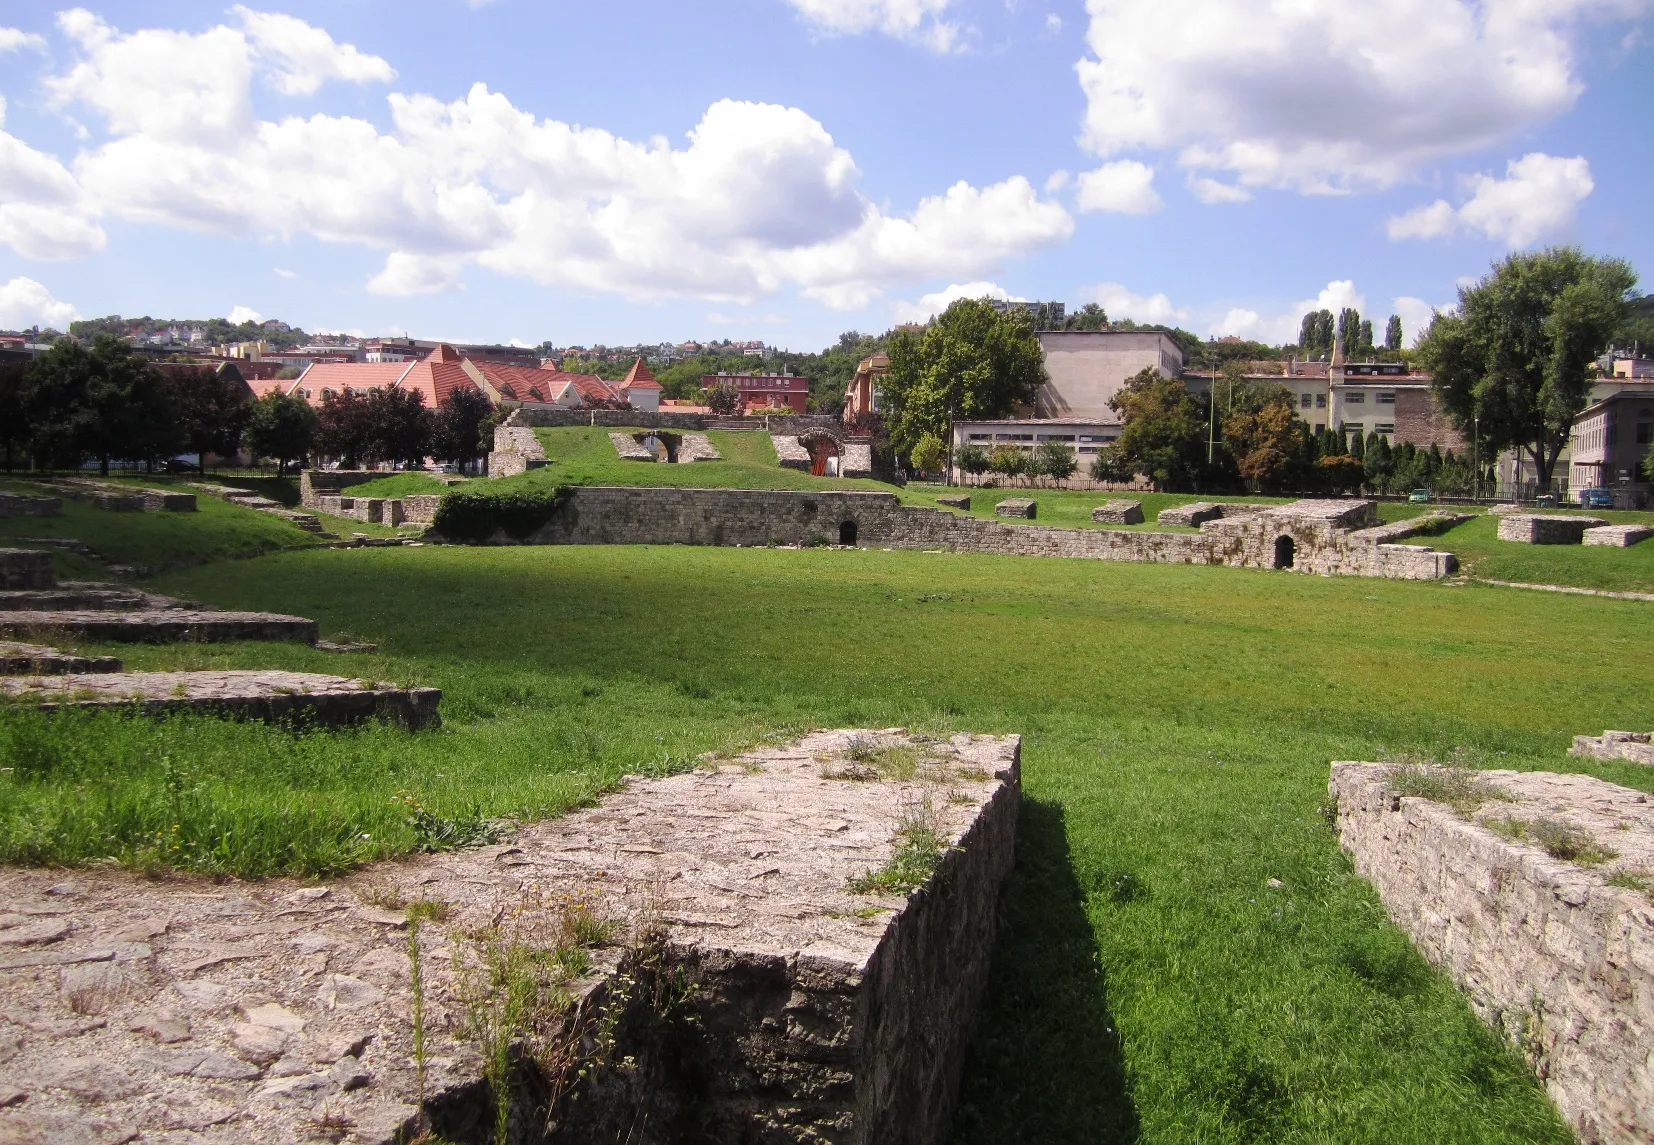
330, 1125
1450, 783
1632, 881
1556, 838
918, 848
434, 832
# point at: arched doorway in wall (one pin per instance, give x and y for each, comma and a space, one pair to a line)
847, 533
1286, 551
826, 449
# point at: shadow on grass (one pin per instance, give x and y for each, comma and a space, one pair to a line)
1045, 1063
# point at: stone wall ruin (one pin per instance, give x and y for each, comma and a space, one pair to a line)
1551, 952
1322, 539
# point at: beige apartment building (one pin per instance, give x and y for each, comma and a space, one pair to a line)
1088, 367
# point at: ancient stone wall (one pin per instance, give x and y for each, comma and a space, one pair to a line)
26, 569
1636, 747
1118, 512
1550, 953
1617, 536
19, 505
603, 515
789, 454
1535, 529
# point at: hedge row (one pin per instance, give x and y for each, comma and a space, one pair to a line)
475, 514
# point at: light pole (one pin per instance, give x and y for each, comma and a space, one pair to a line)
1476, 453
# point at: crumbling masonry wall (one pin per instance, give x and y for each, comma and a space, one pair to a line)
603, 515
1549, 952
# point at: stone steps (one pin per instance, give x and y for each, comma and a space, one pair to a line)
158, 626
306, 698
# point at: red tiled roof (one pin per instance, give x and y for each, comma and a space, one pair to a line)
640, 378
521, 383
433, 378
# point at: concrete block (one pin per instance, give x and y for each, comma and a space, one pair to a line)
1017, 507
1119, 512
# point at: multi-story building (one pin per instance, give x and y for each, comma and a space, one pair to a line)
1088, 367
761, 392
1609, 443
861, 396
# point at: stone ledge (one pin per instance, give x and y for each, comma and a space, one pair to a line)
274, 696
23, 505
1617, 536
1534, 529
1024, 507
218, 1013
1635, 747
1118, 512
26, 569
160, 626
37, 659
1550, 954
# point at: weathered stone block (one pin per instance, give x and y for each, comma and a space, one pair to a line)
1120, 512
1535, 529
789, 454
307, 697
630, 448
954, 500
1617, 536
160, 626
1549, 952
797, 1009
21, 505
38, 660
25, 569
1191, 515
1637, 747
1017, 507
856, 460
697, 447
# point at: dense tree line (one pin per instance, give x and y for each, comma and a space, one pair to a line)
99, 401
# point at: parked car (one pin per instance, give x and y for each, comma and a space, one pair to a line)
1596, 498
1419, 497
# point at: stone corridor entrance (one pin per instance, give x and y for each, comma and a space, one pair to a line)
1285, 552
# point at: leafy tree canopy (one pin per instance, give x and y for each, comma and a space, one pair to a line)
971, 362
1518, 356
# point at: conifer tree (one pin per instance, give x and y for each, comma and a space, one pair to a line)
1392, 333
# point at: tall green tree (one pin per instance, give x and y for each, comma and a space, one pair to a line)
213, 408
1365, 342
343, 428
971, 362
1162, 437
100, 401
1392, 333
460, 429
399, 427
1088, 317
14, 427
1518, 355
1349, 328
281, 427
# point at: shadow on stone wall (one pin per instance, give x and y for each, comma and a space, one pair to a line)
1045, 1063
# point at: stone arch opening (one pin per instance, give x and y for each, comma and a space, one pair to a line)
1286, 551
663, 445
847, 533
826, 450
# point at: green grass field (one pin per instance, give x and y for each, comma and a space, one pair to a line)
1148, 984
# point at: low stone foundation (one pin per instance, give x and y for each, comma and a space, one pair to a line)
1634, 747
1118, 513
159, 626
25, 569
697, 447
21, 505
80, 597
126, 498
1305, 536
1617, 536
38, 660
747, 988
1023, 507
1534, 529
788, 453
278, 697
1549, 952
630, 448
1194, 514
954, 501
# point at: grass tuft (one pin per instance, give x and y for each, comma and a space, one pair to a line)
1556, 838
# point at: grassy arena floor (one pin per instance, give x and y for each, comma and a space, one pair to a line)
1148, 984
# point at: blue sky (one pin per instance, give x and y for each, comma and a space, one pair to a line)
788, 169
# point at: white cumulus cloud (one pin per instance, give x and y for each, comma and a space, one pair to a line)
1119, 302
1415, 316
305, 57
11, 39
240, 314
930, 305
1539, 195
1321, 97
759, 198
916, 21
25, 303
1125, 186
